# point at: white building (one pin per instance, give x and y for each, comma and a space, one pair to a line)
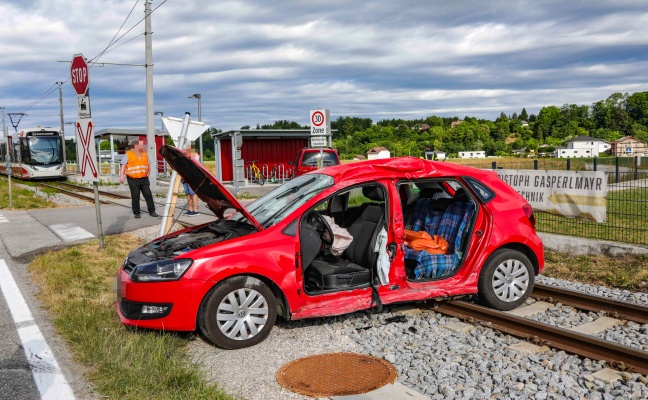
378, 152
582, 146
472, 154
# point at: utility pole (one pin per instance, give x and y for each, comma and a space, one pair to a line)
199, 97
8, 158
62, 126
150, 127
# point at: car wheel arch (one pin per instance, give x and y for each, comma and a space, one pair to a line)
506, 279
526, 250
280, 297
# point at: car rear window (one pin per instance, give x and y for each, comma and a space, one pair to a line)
310, 159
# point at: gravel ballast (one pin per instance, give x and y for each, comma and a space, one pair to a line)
432, 358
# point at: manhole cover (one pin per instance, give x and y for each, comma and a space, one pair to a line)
336, 374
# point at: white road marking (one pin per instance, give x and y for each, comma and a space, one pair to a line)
70, 232
3, 219
48, 377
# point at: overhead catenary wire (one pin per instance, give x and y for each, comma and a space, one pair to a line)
107, 49
126, 33
112, 41
43, 96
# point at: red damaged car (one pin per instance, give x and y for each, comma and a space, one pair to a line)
333, 241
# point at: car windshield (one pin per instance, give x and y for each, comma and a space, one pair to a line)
310, 159
276, 205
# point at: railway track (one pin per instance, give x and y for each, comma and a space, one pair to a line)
618, 356
85, 193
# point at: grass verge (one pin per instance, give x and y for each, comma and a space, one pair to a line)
627, 272
76, 289
22, 199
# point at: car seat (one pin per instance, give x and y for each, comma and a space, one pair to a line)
354, 268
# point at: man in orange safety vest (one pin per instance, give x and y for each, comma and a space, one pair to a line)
135, 166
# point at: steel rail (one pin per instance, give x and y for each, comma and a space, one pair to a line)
618, 356
72, 193
584, 301
90, 190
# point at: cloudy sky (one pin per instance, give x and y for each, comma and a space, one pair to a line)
257, 61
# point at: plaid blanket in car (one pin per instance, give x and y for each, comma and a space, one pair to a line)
451, 227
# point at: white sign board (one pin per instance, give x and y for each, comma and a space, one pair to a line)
85, 149
174, 127
567, 193
318, 141
83, 106
320, 122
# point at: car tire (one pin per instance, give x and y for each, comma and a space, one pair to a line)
506, 280
226, 318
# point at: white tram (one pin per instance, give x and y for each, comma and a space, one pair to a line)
35, 153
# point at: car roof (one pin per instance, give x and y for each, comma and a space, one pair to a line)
402, 168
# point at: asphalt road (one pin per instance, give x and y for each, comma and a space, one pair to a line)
29, 349
16, 379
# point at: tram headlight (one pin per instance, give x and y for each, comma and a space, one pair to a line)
58, 167
35, 168
161, 271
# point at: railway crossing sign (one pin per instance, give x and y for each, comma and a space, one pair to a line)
86, 153
79, 75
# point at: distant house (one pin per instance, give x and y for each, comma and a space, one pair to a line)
628, 146
472, 154
582, 146
455, 123
424, 127
378, 152
359, 157
525, 123
558, 150
519, 152
440, 155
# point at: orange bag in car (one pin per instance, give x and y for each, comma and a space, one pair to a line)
423, 241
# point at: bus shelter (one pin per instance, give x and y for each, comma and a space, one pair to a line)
120, 139
270, 149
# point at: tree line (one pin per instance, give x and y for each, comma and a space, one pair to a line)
617, 116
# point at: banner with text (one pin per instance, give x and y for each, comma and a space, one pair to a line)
566, 193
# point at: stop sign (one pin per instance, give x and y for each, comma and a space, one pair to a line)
79, 74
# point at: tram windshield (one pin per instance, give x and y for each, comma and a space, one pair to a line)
45, 150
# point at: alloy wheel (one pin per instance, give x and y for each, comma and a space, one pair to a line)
510, 280
242, 314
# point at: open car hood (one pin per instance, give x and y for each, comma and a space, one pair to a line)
206, 186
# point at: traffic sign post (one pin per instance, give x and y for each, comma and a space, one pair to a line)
86, 153
320, 129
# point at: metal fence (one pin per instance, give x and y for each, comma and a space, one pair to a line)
627, 198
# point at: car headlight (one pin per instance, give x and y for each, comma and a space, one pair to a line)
161, 271
35, 168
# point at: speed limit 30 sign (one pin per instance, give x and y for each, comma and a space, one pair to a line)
320, 122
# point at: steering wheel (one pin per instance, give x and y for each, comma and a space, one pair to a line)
322, 227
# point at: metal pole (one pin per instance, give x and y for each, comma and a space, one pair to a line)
62, 127
8, 158
173, 185
199, 97
202, 161
98, 212
150, 127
